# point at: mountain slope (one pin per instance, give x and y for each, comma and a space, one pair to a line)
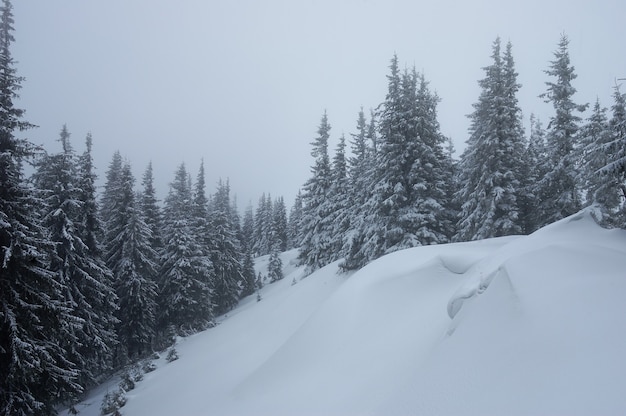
516, 325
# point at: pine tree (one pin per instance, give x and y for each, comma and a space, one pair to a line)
131, 259
87, 284
225, 253
315, 225
33, 314
558, 190
490, 165
186, 271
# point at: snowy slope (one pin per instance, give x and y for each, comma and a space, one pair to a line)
516, 325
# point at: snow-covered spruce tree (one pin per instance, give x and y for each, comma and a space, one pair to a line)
225, 252
409, 163
558, 191
248, 284
533, 169
491, 163
434, 167
90, 231
34, 316
611, 193
184, 301
279, 223
295, 216
130, 257
593, 136
360, 177
263, 226
109, 195
87, 282
247, 227
315, 249
338, 203
150, 209
275, 265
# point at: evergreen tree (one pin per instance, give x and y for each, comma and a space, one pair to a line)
225, 253
338, 203
315, 250
87, 284
490, 165
408, 202
534, 168
275, 266
360, 177
611, 192
558, 191
108, 200
263, 226
131, 259
90, 227
295, 217
247, 228
186, 271
594, 134
279, 224
34, 316
150, 210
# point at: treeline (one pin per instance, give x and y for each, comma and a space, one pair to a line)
88, 284
402, 188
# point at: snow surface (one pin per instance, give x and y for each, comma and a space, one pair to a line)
515, 325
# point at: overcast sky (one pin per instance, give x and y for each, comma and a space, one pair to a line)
243, 84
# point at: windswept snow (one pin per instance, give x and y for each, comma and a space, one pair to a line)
516, 325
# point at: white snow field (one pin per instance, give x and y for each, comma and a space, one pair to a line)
529, 325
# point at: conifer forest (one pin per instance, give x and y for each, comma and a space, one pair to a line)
94, 279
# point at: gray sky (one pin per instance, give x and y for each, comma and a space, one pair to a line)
243, 84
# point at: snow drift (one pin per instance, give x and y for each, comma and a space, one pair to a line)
515, 325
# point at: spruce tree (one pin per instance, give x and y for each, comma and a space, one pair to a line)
275, 265
315, 250
558, 191
279, 224
295, 218
131, 259
150, 209
225, 253
490, 165
535, 167
593, 136
407, 206
186, 271
34, 315
611, 192
87, 284
360, 177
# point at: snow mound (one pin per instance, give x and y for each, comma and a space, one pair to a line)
515, 325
